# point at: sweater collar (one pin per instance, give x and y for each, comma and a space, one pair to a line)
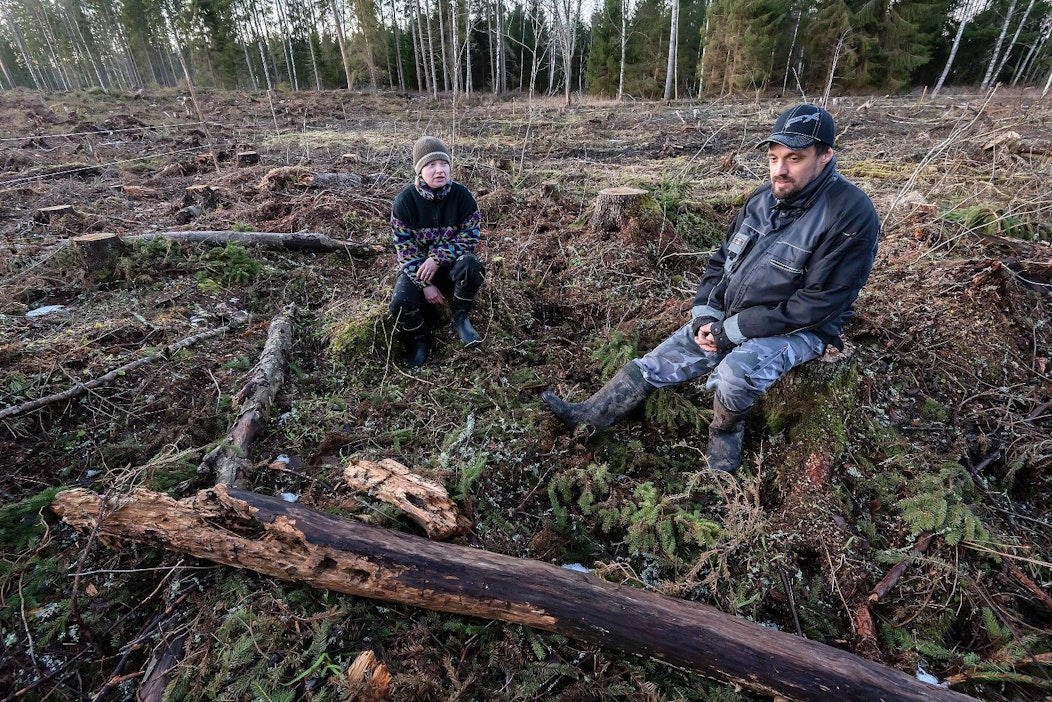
428, 193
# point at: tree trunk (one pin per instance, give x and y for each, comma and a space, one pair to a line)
342, 41
624, 48
990, 76
245, 530
1015, 37
673, 47
965, 18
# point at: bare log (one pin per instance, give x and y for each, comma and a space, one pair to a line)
615, 206
78, 390
229, 461
336, 180
425, 502
290, 542
289, 241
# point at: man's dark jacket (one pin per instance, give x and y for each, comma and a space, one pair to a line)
791, 265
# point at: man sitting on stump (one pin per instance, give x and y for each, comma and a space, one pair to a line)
773, 296
435, 223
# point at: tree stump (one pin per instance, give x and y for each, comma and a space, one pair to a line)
810, 403
98, 253
204, 196
614, 207
247, 158
46, 214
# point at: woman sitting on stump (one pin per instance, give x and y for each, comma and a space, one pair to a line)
435, 222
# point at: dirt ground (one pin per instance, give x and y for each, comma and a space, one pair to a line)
937, 423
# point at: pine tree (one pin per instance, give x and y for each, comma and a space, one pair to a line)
603, 72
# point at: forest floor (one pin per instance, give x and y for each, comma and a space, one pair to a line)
941, 425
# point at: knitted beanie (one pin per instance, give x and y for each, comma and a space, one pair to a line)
428, 149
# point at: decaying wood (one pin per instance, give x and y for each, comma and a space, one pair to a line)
78, 390
98, 252
615, 206
864, 625
425, 502
229, 461
247, 158
290, 542
369, 680
289, 241
161, 670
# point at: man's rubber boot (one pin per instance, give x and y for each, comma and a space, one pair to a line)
462, 324
621, 394
726, 432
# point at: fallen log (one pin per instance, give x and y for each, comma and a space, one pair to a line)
290, 542
425, 502
288, 241
229, 461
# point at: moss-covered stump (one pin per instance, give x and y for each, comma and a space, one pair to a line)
357, 328
809, 405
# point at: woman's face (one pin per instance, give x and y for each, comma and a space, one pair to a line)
436, 174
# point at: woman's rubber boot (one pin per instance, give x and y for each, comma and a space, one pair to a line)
462, 324
726, 433
621, 394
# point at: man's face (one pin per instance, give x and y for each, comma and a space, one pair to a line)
793, 169
436, 174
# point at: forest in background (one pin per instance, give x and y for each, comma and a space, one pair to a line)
639, 49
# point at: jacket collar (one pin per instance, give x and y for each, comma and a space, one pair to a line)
806, 197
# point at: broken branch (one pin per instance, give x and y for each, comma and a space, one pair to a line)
83, 388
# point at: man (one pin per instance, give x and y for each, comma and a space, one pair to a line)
773, 296
435, 223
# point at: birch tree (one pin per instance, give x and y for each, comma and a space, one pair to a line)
967, 13
673, 44
565, 16
997, 47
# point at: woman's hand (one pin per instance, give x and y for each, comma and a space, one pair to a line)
426, 271
433, 295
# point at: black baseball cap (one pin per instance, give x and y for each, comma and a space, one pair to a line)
800, 126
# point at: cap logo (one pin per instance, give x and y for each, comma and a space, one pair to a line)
813, 117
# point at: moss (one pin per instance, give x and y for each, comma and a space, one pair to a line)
358, 331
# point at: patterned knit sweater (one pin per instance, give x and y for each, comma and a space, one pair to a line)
442, 224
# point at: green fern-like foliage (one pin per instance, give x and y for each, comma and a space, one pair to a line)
615, 351
938, 503
671, 411
20, 523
